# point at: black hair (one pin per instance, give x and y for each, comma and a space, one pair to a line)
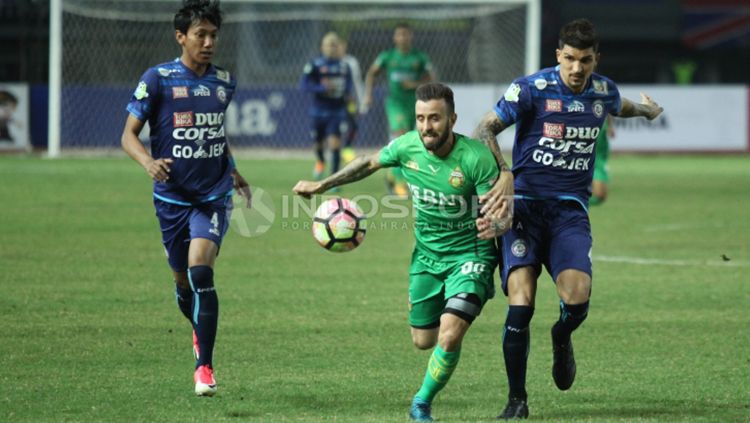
195, 11
8, 98
404, 25
436, 91
579, 34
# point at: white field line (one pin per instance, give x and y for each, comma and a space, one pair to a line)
665, 262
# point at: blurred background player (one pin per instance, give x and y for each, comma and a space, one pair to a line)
450, 277
8, 104
329, 80
562, 110
600, 183
356, 105
406, 69
184, 102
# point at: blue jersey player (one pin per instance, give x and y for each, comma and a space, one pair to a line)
329, 80
558, 113
184, 102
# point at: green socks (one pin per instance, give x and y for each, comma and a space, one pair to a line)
439, 370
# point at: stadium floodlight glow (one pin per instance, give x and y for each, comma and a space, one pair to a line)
99, 49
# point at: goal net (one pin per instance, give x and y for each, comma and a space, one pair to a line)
107, 44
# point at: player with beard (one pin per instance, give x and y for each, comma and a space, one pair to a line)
450, 277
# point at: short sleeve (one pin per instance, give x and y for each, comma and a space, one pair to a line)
515, 102
382, 60
144, 98
616, 102
388, 156
485, 171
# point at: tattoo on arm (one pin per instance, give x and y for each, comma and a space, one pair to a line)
487, 132
359, 168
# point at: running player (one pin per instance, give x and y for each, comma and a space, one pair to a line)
450, 277
600, 183
355, 106
184, 102
559, 112
329, 80
406, 69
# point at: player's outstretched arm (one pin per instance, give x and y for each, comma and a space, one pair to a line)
157, 169
372, 73
359, 168
497, 202
647, 108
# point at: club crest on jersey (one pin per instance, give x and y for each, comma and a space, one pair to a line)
182, 119
553, 130
576, 106
553, 105
598, 108
201, 91
141, 91
456, 178
222, 75
166, 72
600, 87
221, 94
518, 248
540, 83
411, 164
179, 92
511, 94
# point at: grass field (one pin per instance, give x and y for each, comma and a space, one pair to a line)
90, 330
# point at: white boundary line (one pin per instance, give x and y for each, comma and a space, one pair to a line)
662, 262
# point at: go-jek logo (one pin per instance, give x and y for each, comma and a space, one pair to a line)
254, 116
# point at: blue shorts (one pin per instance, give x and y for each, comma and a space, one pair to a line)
323, 127
179, 224
556, 233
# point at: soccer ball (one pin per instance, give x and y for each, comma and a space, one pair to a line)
339, 225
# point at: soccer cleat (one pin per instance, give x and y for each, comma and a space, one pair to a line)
205, 384
563, 365
420, 410
319, 170
347, 154
196, 348
516, 408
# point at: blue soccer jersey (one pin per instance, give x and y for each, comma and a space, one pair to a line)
556, 129
185, 113
330, 81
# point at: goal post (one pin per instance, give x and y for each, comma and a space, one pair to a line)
100, 48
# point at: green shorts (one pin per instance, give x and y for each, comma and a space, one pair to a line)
432, 283
601, 170
401, 115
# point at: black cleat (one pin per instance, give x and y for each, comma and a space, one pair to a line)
517, 408
563, 365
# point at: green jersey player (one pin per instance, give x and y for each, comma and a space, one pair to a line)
406, 68
600, 183
450, 277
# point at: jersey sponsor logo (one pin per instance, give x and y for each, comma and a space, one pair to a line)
456, 178
570, 163
141, 91
221, 94
553, 130
582, 132
600, 87
411, 164
518, 248
189, 152
511, 94
576, 107
540, 83
425, 197
598, 108
201, 91
553, 105
179, 92
222, 75
182, 119
566, 146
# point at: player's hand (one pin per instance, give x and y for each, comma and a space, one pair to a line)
497, 203
158, 169
489, 229
307, 188
652, 108
243, 188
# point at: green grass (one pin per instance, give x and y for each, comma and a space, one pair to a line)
90, 331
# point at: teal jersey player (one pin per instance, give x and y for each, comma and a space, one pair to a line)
450, 277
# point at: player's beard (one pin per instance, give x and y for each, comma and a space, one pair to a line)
442, 139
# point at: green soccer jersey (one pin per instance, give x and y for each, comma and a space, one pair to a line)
403, 67
443, 193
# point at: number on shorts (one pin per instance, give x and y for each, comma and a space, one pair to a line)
471, 267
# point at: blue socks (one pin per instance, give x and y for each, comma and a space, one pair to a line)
184, 299
571, 316
516, 348
205, 312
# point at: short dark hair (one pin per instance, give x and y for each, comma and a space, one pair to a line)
195, 11
404, 25
579, 34
436, 91
7, 97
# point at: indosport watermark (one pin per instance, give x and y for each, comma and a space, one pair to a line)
385, 212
